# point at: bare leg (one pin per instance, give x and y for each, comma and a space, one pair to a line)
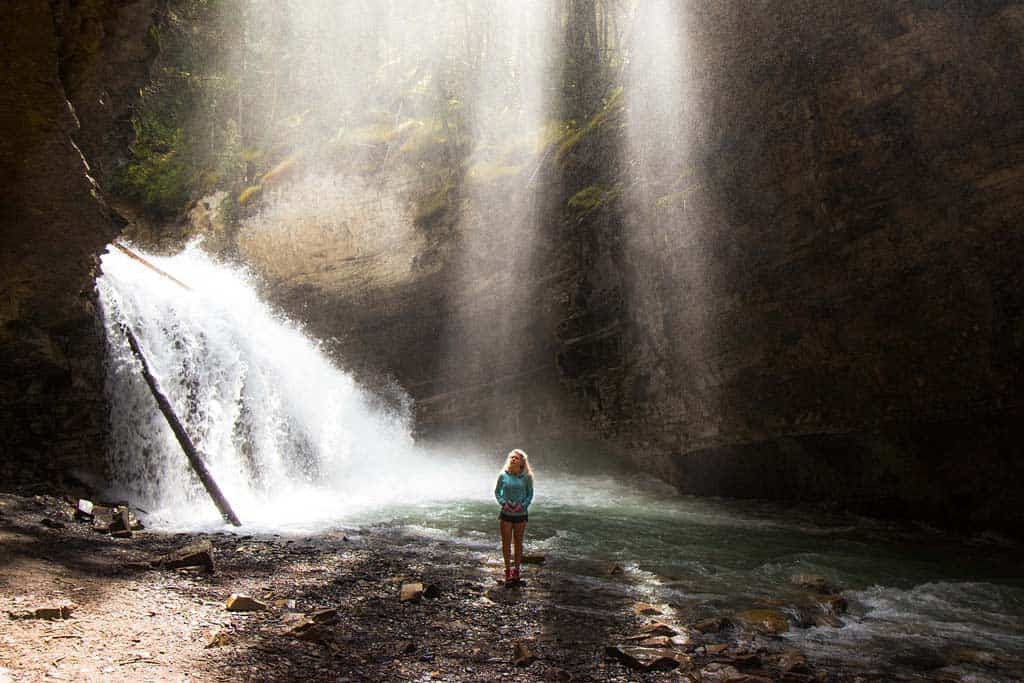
506, 540
518, 529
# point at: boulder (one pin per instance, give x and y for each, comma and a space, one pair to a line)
766, 621
244, 603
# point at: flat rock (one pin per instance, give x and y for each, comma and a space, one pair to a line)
198, 554
764, 620
658, 628
61, 612
648, 658
646, 609
51, 523
244, 603
411, 592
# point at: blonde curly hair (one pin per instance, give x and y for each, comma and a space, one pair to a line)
526, 461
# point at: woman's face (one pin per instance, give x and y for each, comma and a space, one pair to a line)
515, 464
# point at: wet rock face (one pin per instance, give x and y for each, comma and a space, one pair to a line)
845, 262
54, 225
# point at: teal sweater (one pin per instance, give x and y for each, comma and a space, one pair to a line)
514, 489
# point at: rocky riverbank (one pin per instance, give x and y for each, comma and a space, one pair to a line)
352, 604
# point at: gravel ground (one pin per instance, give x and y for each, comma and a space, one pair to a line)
129, 621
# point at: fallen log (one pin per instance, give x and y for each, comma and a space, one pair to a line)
131, 254
194, 458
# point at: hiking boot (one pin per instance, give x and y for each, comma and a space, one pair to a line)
508, 575
515, 573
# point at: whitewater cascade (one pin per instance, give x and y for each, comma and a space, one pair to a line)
291, 439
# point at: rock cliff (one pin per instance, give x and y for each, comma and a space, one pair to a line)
65, 88
816, 295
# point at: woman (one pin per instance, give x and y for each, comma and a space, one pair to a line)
514, 492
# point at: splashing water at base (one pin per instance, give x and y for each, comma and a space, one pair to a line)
293, 441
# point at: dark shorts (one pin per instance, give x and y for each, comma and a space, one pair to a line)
515, 519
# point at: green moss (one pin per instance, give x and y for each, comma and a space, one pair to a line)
587, 199
598, 121
593, 198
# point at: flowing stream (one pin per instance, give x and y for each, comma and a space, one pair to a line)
299, 447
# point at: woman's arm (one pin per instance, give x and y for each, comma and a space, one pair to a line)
498, 493
528, 498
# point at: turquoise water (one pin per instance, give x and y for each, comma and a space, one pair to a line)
918, 599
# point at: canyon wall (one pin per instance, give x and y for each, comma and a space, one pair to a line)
816, 295
827, 303
70, 71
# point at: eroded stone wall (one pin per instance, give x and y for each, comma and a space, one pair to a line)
55, 223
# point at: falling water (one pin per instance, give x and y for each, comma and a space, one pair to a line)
290, 438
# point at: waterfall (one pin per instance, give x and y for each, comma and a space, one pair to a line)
291, 438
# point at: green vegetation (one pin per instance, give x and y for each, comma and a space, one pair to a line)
613, 106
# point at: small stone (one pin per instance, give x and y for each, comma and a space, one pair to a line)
764, 620
644, 609
218, 639
62, 612
244, 603
658, 628
793, 662
614, 570
311, 632
834, 604
647, 659
198, 554
522, 655
51, 523
411, 592
533, 559
284, 604
713, 625
717, 648
325, 616
656, 641
83, 509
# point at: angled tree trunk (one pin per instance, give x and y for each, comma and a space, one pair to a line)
194, 457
